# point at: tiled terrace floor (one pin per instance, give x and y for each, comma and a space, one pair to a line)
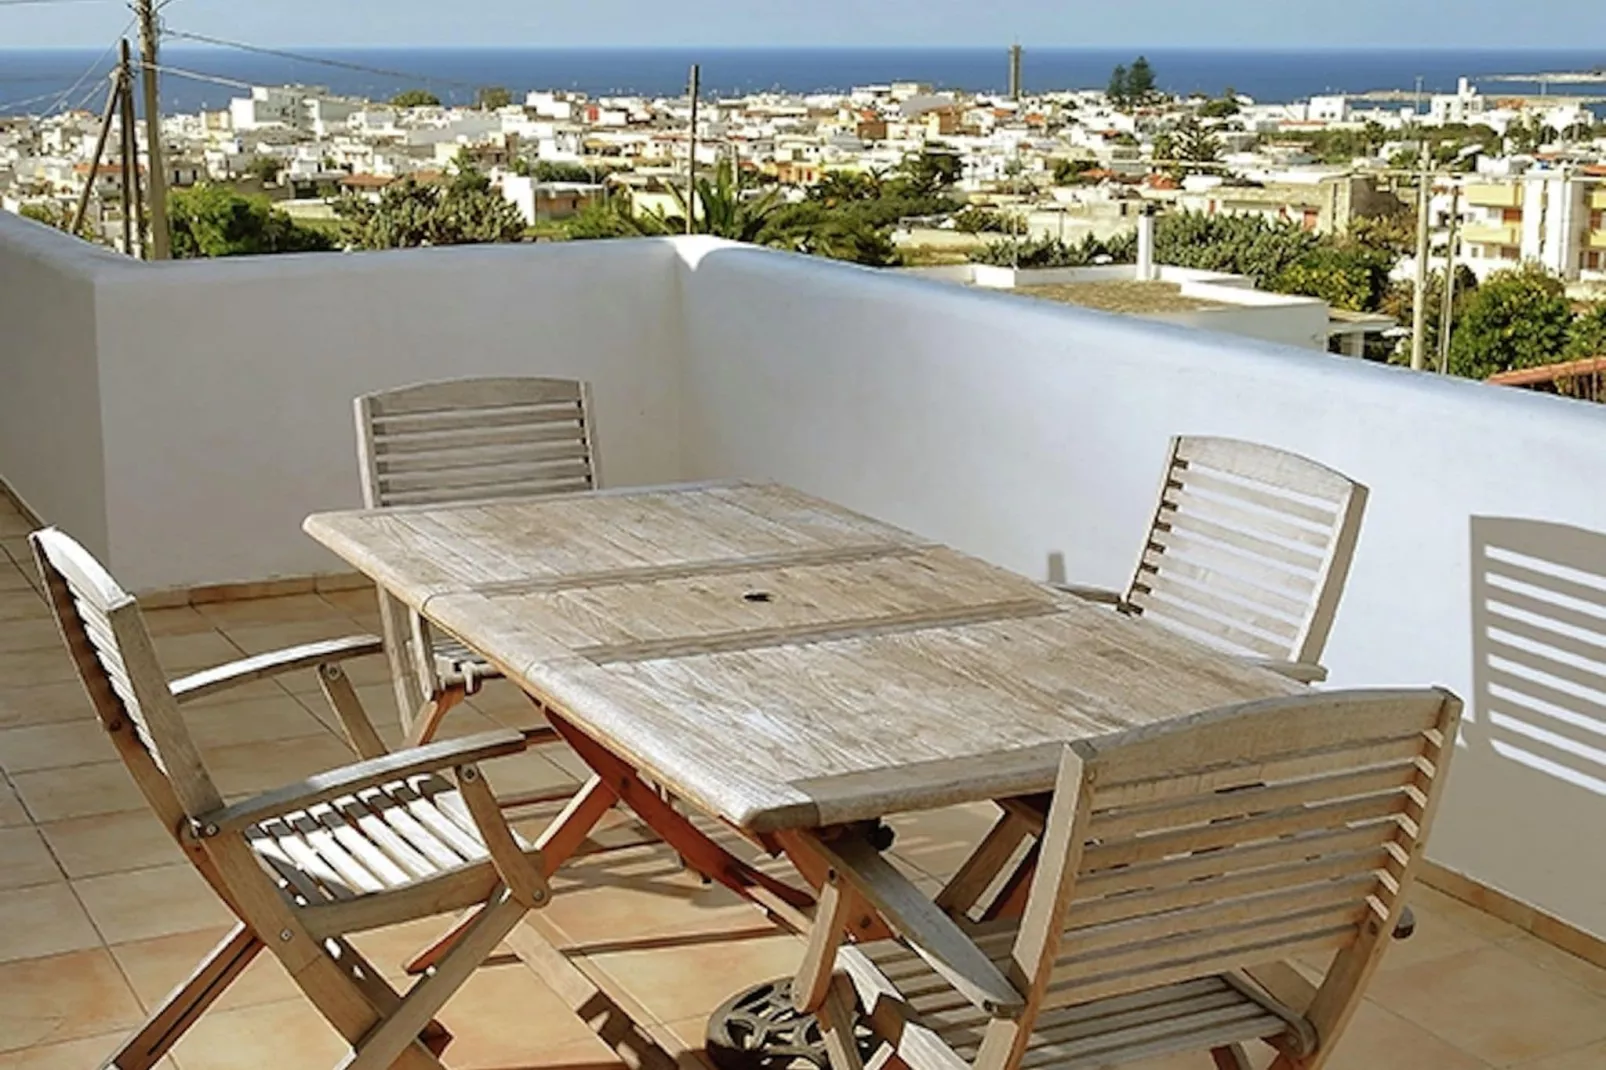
99, 916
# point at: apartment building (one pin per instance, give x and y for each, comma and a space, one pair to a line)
1556, 218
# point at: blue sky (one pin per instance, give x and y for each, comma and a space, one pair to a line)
1140, 23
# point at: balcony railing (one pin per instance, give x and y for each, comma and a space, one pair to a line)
1494, 194
1491, 234
184, 418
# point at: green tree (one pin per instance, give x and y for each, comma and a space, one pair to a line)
974, 220
929, 172
1242, 244
1165, 146
560, 171
409, 213
415, 98
1518, 318
1388, 233
1399, 302
265, 168
1222, 107
612, 217
1195, 144
491, 97
722, 210
1587, 338
1347, 275
1140, 87
1053, 253
55, 214
844, 237
845, 187
207, 221
1069, 172
1117, 90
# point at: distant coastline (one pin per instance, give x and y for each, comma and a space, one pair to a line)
44, 77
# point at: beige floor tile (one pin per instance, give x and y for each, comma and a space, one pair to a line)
22, 603
641, 896
938, 841
1379, 1038
1494, 1005
12, 579
43, 919
33, 632
58, 794
252, 721
1430, 902
72, 1055
1438, 934
683, 981
11, 810
503, 1016
52, 746
285, 609
144, 903
590, 1054
177, 620
64, 997
111, 843
1550, 957
48, 666
527, 772
389, 949
1592, 1057
264, 638
288, 1034
255, 691
191, 651
155, 967
44, 704
25, 860
248, 768
356, 602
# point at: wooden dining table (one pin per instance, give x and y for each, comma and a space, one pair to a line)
746, 653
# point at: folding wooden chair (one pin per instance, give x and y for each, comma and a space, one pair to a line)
462, 440
382, 841
1247, 552
1184, 864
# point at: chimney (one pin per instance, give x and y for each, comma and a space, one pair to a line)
1147, 270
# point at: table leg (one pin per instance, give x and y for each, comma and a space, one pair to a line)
691, 843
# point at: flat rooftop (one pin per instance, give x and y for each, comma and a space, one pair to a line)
1131, 297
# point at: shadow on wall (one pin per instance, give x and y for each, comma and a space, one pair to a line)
1539, 648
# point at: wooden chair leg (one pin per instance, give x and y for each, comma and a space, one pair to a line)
837, 1023
186, 1003
427, 721
396, 1033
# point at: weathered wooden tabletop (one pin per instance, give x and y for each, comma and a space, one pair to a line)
775, 659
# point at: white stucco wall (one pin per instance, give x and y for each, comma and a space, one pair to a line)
228, 384
185, 418
1018, 430
50, 441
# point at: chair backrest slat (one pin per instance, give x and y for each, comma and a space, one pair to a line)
1249, 548
1236, 837
468, 439
117, 662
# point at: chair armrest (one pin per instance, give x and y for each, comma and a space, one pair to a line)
1306, 672
932, 934
359, 775
1102, 595
260, 666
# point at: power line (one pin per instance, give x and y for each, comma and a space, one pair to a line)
198, 76
320, 60
18, 3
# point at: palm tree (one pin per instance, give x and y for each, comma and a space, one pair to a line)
721, 209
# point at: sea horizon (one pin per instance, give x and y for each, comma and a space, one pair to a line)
206, 76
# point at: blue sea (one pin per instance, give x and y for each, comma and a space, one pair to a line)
42, 80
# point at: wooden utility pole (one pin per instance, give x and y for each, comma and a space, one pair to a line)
146, 12
1447, 307
1419, 303
691, 156
130, 148
112, 99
